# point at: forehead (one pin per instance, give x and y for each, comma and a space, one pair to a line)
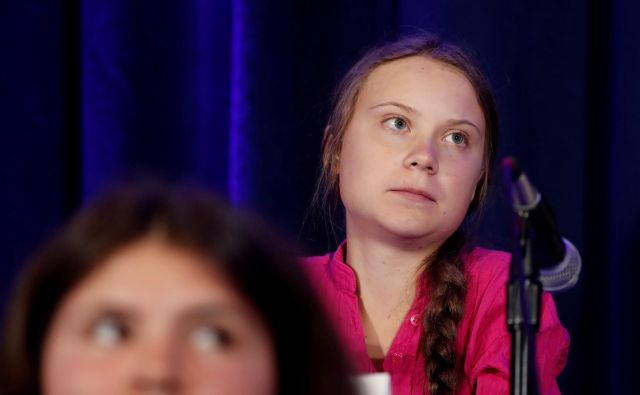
424, 83
152, 274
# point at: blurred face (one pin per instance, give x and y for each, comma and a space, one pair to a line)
154, 318
412, 153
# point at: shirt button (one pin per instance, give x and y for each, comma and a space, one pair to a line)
415, 320
397, 357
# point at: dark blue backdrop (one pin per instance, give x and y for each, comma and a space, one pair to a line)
233, 95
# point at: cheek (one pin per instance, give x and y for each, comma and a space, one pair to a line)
463, 178
362, 161
351, 159
68, 369
349, 169
227, 374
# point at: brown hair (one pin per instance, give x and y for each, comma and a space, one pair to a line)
444, 270
309, 360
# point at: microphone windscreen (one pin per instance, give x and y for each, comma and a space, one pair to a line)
565, 275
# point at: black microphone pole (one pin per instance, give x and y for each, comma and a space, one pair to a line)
524, 294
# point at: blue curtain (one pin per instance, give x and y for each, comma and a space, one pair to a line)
233, 95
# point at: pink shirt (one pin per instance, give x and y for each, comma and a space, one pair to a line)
482, 341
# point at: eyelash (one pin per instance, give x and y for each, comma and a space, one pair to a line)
386, 121
217, 337
123, 332
464, 136
222, 337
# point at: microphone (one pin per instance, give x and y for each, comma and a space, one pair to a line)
557, 258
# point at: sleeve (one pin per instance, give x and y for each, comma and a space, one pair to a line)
488, 359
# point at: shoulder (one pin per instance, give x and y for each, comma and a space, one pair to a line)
318, 268
317, 260
330, 272
484, 257
314, 265
485, 337
484, 267
487, 273
323, 265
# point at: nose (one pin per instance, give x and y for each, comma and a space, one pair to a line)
422, 155
156, 368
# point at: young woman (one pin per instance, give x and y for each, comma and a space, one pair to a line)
166, 292
407, 152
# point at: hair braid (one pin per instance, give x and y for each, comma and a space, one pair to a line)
447, 290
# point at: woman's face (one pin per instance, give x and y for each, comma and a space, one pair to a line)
412, 153
154, 318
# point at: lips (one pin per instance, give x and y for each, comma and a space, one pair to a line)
413, 194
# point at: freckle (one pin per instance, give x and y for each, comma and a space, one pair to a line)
389, 316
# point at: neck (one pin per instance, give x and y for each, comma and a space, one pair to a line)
386, 268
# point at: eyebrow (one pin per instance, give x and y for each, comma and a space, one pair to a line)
209, 311
109, 311
129, 313
456, 122
396, 104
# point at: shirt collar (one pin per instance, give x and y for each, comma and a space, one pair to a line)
344, 277
342, 274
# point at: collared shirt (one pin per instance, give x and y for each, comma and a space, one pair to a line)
482, 341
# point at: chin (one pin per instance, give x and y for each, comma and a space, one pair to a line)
414, 229
416, 232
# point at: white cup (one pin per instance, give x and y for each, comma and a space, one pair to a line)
373, 383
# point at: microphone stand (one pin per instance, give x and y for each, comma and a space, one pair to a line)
537, 242
524, 290
524, 293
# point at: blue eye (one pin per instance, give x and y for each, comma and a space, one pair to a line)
456, 138
397, 123
108, 332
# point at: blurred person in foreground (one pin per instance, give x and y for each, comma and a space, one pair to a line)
153, 290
